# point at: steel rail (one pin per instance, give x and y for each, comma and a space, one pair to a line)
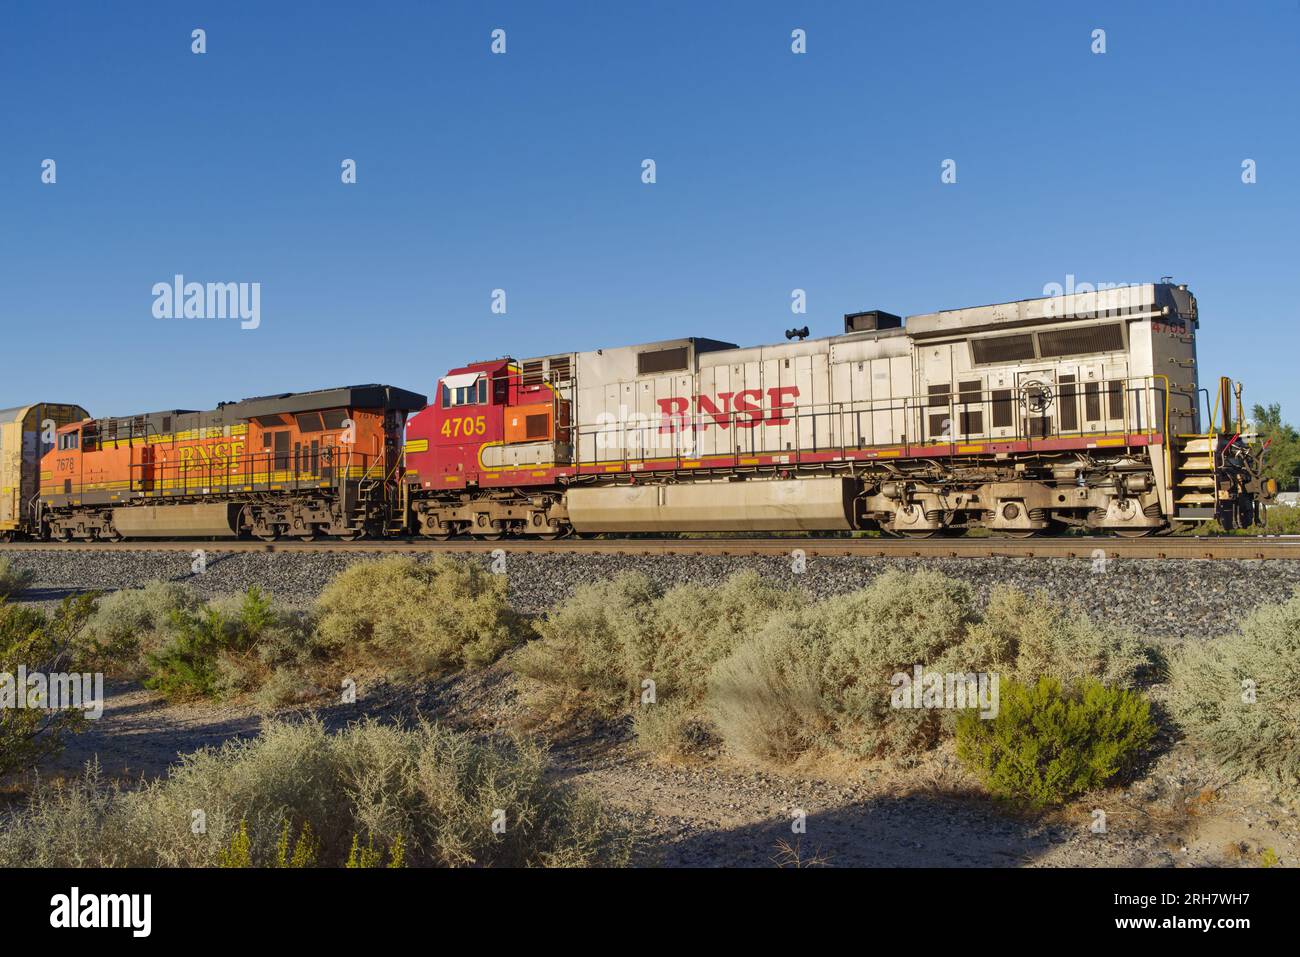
1170, 547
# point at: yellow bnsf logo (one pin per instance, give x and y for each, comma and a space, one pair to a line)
210, 456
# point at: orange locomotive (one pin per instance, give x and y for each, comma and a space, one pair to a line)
297, 464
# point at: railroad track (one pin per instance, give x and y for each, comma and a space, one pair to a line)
1226, 548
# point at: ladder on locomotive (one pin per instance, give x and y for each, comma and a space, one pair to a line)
1196, 486
1197, 460
377, 487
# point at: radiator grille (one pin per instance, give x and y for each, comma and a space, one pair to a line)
661, 360
1003, 348
1002, 408
560, 371
1081, 341
532, 372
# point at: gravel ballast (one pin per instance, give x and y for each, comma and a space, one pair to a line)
1158, 598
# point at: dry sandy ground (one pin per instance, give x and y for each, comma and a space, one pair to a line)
713, 813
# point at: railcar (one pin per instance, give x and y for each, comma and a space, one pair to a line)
26, 434
1080, 410
295, 464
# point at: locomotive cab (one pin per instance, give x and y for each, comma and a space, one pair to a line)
493, 426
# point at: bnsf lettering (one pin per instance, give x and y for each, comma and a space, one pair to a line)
204, 457
744, 408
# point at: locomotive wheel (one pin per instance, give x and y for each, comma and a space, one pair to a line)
893, 531
1134, 532
438, 532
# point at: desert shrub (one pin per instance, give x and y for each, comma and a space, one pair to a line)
222, 648
424, 796
673, 729
271, 651
40, 644
422, 618
1239, 695
131, 624
602, 645
187, 666
692, 627
12, 579
899, 621
1278, 520
766, 698
821, 679
166, 636
1027, 636
1047, 745
583, 649
240, 851
292, 682
369, 856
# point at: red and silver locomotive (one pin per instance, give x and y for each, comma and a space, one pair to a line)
1023, 417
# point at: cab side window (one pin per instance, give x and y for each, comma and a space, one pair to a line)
69, 441
473, 394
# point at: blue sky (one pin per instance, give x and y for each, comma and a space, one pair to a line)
522, 172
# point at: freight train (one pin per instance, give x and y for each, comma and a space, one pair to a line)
1026, 417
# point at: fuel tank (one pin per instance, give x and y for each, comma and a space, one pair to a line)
813, 504
175, 521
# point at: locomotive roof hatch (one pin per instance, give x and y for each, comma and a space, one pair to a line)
164, 422
371, 396
871, 321
1136, 301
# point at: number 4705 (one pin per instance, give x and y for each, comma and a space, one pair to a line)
470, 425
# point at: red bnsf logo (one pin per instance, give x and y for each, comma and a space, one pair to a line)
745, 409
